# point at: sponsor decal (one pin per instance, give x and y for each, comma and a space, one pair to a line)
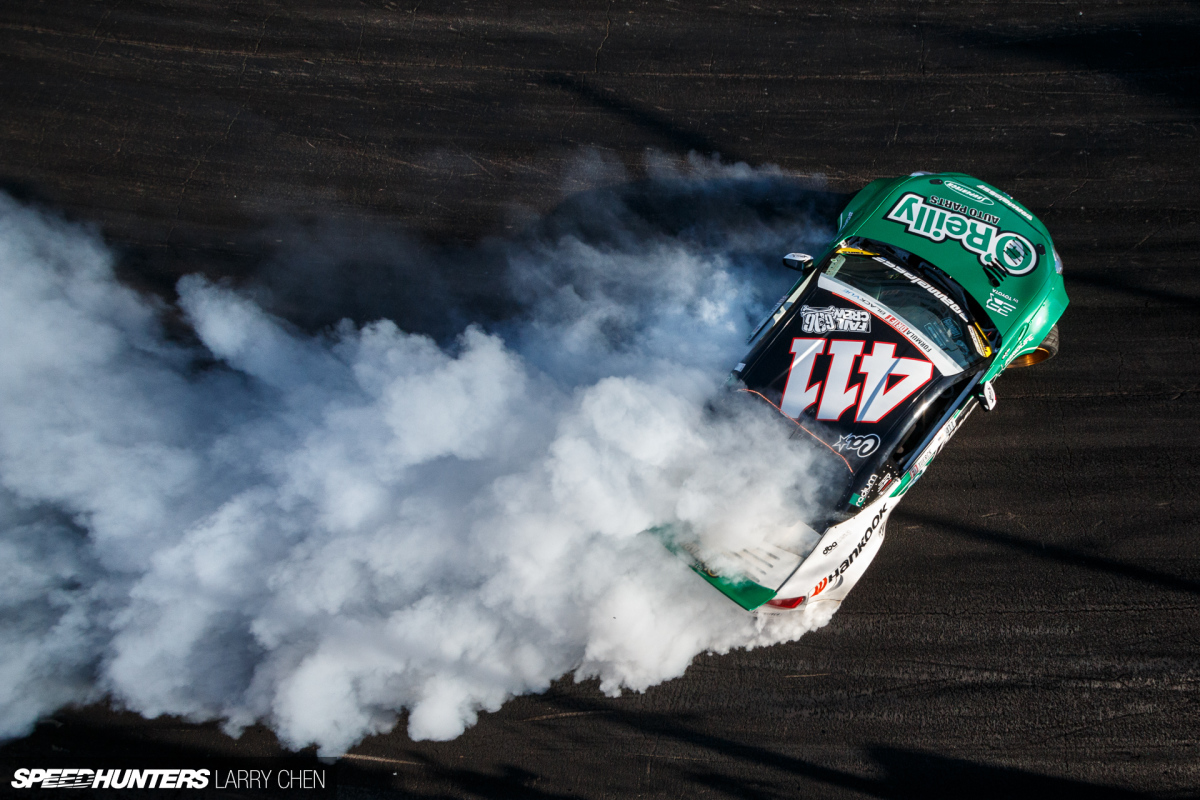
1011, 251
872, 399
971, 193
825, 552
856, 251
832, 318
827, 583
1003, 198
1001, 303
834, 580
875, 486
861, 446
952, 424
981, 346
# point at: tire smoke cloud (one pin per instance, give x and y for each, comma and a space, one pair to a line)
321, 530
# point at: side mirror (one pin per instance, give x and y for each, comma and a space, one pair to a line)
801, 262
987, 398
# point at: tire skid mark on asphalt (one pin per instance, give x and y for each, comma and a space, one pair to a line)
562, 714
381, 760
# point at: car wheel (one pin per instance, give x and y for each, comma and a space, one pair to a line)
1046, 350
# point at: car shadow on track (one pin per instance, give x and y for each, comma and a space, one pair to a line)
736, 769
1155, 54
1116, 281
709, 762
1058, 553
917, 775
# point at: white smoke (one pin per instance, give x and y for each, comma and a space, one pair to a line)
321, 530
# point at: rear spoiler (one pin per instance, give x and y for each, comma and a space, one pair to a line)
746, 593
768, 562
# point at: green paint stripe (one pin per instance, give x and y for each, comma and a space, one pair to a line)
747, 594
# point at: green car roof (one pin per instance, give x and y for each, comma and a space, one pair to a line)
990, 244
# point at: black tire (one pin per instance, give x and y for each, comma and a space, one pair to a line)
1043, 352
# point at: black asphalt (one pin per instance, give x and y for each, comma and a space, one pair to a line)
1030, 625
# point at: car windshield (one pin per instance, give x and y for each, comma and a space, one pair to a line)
906, 292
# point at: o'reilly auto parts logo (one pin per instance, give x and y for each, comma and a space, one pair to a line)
1006, 249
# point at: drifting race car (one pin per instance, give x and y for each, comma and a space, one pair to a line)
933, 286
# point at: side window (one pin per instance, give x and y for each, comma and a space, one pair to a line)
924, 422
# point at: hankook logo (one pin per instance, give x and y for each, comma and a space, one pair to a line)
971, 193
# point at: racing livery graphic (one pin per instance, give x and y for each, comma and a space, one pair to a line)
887, 342
861, 446
824, 320
1012, 250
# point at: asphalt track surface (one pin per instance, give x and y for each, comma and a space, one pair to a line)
1030, 625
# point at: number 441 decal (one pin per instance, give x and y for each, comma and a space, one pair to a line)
873, 395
